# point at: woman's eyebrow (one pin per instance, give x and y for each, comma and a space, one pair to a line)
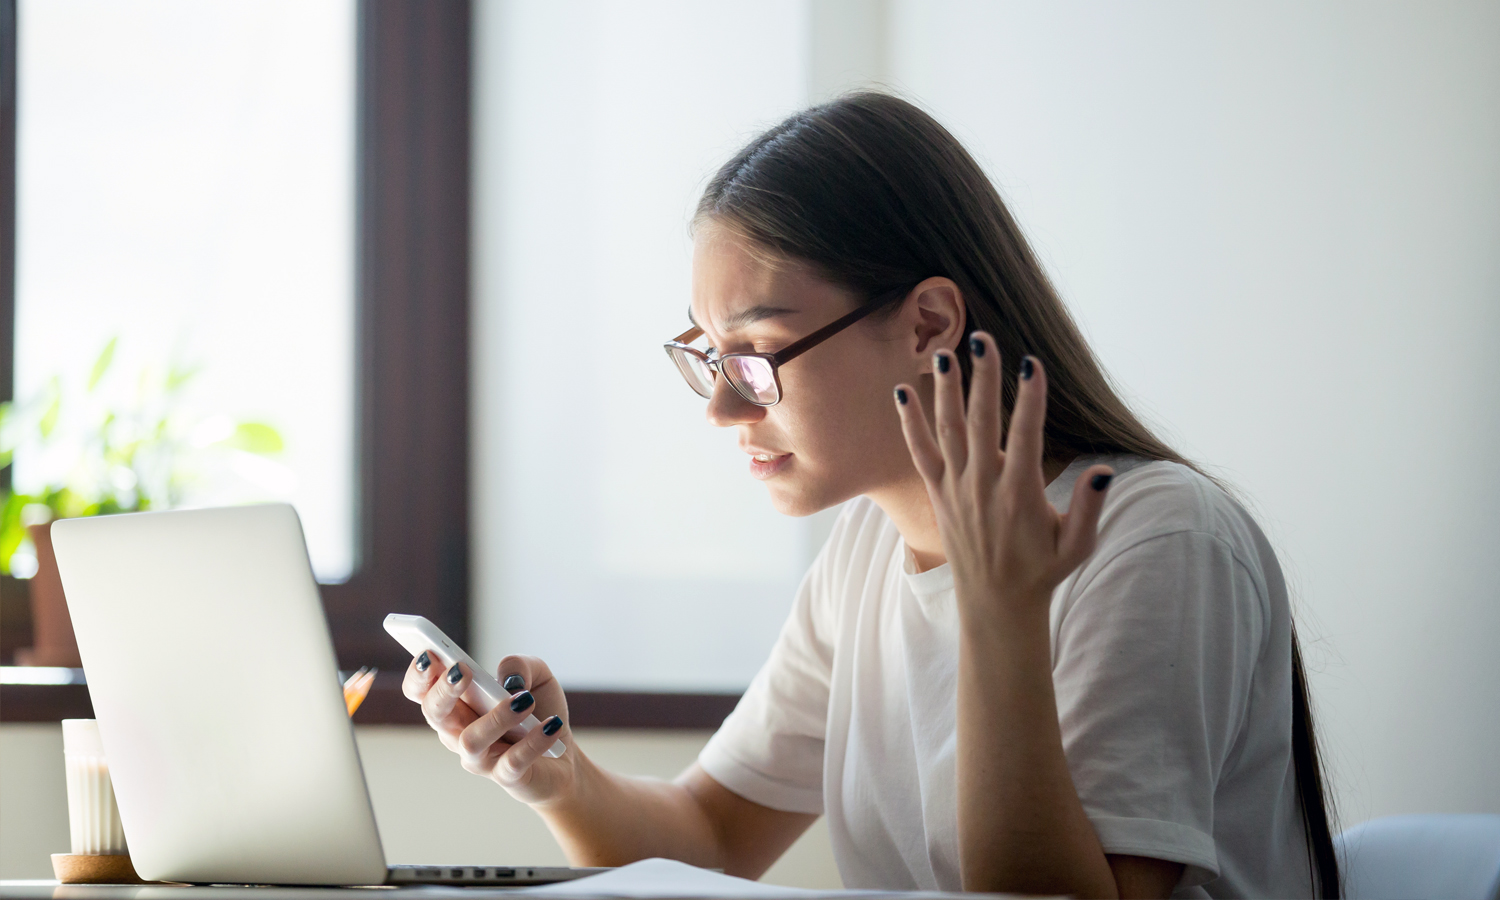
746, 317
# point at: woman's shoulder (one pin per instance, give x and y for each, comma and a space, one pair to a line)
1175, 551
1151, 499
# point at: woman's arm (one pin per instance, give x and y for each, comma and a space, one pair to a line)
614, 819
1022, 827
600, 818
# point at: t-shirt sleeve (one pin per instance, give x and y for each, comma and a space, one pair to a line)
770, 749
1155, 651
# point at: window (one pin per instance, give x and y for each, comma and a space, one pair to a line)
409, 531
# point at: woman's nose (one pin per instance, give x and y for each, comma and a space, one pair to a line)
726, 407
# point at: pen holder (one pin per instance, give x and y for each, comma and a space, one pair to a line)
98, 839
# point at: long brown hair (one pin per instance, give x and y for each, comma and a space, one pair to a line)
877, 196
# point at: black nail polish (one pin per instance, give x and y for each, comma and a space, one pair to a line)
454, 675
521, 701
424, 662
976, 347
553, 726
514, 683
901, 396
1027, 369
1100, 482
942, 362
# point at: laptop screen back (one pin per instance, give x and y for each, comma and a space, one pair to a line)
214, 681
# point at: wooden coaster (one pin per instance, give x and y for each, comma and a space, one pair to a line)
114, 869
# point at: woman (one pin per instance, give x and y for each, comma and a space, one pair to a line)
979, 691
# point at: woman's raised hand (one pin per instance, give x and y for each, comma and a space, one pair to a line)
1007, 545
480, 741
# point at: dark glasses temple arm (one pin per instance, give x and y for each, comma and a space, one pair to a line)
688, 336
792, 351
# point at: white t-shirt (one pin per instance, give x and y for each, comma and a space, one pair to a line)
1171, 651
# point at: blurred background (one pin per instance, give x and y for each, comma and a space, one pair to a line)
409, 265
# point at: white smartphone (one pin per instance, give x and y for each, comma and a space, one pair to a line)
484, 693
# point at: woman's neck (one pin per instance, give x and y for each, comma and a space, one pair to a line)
907, 505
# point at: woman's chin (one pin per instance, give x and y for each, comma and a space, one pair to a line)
797, 500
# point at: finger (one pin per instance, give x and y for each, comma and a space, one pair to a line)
419, 678
518, 759
484, 731
1080, 526
442, 707
919, 440
520, 673
1023, 443
948, 404
984, 406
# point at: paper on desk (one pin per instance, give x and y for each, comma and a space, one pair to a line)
668, 878
672, 880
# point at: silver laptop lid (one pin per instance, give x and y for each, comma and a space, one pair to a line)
214, 682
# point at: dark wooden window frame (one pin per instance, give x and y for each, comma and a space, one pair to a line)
412, 360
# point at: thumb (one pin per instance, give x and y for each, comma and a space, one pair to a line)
1080, 528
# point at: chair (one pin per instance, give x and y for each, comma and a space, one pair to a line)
1422, 857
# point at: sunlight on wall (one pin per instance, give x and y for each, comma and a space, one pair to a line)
618, 535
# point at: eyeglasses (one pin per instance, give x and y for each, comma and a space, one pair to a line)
753, 376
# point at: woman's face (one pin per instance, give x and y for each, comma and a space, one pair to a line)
835, 434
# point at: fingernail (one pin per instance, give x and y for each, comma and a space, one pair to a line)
424, 662
941, 360
553, 726
1100, 482
454, 675
521, 701
1027, 369
976, 346
901, 396
514, 683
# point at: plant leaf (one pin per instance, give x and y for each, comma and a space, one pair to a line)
11, 529
101, 365
256, 437
177, 376
50, 417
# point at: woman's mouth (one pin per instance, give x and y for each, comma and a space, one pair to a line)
768, 465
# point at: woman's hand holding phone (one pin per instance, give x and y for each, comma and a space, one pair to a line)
481, 741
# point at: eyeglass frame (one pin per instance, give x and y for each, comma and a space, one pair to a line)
775, 360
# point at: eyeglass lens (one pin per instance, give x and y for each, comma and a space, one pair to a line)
753, 377
699, 376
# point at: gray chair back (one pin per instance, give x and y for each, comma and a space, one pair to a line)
1422, 857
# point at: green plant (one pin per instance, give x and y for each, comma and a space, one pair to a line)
101, 455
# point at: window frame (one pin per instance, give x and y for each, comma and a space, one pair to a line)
411, 367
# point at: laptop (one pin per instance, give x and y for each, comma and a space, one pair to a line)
215, 685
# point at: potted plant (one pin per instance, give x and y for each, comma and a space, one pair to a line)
97, 455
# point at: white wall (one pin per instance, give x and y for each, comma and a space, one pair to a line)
1279, 224
427, 807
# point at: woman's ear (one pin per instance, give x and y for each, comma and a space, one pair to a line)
934, 319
